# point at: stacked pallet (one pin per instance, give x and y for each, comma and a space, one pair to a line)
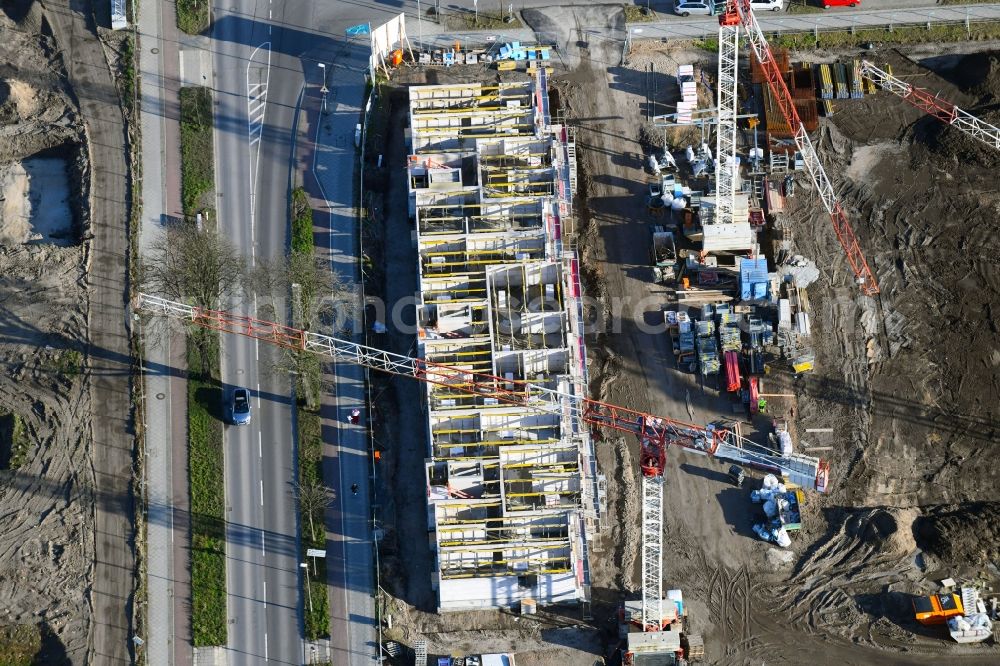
857, 92
689, 93
780, 58
825, 82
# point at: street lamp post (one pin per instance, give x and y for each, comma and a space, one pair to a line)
420, 25
308, 585
324, 89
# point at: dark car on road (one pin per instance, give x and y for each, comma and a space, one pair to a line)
240, 407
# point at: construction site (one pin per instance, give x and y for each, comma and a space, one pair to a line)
754, 257
508, 488
696, 362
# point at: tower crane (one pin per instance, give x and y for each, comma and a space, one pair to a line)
655, 433
941, 109
738, 13
725, 135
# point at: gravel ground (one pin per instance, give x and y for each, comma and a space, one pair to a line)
46, 529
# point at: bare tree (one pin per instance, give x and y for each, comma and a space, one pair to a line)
314, 498
305, 291
197, 267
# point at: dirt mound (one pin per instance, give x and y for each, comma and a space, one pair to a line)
966, 533
954, 144
979, 75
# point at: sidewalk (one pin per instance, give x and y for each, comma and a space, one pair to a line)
328, 161
168, 639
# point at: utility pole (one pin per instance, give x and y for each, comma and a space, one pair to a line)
420, 24
308, 585
324, 90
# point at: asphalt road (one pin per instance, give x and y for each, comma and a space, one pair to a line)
255, 92
263, 53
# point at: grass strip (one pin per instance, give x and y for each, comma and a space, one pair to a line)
20, 645
635, 14
197, 159
803, 7
467, 20
192, 16
302, 223
317, 610
312, 494
15, 439
915, 34
205, 469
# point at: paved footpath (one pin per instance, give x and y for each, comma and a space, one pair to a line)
168, 621
89, 75
328, 158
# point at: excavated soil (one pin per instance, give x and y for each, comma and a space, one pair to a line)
46, 526
906, 381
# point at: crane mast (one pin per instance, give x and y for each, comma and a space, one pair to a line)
740, 10
941, 109
725, 136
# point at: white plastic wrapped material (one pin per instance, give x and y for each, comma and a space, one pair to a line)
755, 496
670, 316
782, 504
762, 531
689, 154
785, 443
780, 488
770, 481
668, 199
980, 621
781, 538
678, 204
653, 165
771, 508
959, 623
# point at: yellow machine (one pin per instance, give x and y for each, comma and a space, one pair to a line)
937, 608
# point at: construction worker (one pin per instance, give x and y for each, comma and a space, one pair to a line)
355, 417
762, 405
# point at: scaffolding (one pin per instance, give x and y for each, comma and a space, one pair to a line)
511, 491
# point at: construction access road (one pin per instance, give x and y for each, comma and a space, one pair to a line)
74, 29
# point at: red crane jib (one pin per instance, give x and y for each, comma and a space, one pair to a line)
742, 14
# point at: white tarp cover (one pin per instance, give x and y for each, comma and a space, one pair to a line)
386, 37
118, 18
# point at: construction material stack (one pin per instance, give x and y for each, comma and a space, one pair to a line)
729, 341
689, 93
708, 350
825, 82
681, 331
663, 255
668, 644
753, 351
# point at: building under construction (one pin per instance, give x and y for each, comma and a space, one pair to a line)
513, 495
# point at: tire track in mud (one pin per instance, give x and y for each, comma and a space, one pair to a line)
730, 594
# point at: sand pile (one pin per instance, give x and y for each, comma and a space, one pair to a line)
961, 533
